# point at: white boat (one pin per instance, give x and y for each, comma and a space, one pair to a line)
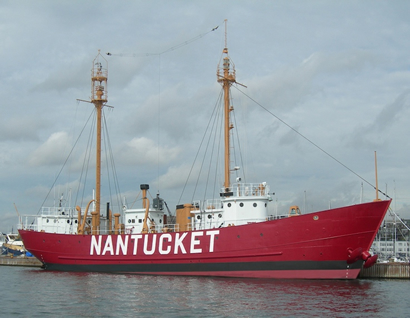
2, 239
12, 245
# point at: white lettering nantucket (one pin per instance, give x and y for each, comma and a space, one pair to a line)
195, 241
163, 243
161, 250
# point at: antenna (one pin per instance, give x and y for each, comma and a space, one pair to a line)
226, 35
377, 182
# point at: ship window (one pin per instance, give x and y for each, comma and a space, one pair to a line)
209, 216
76, 221
68, 221
47, 220
129, 220
198, 217
229, 205
160, 221
133, 221
255, 205
241, 204
139, 220
219, 215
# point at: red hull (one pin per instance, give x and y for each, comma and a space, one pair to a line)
310, 246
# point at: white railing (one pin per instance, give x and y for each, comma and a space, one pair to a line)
249, 189
207, 205
57, 210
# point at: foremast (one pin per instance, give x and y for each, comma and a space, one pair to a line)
226, 76
99, 76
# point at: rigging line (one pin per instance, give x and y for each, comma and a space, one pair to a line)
212, 151
107, 154
197, 153
311, 142
159, 120
204, 157
220, 146
65, 162
212, 132
111, 159
238, 140
173, 48
87, 157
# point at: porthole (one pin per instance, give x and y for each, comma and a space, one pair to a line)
219, 215
160, 221
47, 220
129, 220
68, 221
198, 217
229, 205
255, 205
266, 205
209, 216
241, 204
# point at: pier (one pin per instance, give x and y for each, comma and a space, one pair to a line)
387, 270
20, 261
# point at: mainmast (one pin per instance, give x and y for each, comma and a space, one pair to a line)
99, 75
226, 80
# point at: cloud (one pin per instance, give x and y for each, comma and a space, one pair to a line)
372, 135
341, 82
52, 152
288, 87
143, 151
22, 128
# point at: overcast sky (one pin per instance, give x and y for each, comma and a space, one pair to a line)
337, 72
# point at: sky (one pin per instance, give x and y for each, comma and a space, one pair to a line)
327, 86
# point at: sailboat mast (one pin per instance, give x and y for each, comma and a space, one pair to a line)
99, 76
226, 80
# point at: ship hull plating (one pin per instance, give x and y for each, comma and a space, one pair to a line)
310, 246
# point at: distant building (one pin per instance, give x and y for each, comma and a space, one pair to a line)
392, 240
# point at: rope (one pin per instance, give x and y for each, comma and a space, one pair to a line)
173, 48
65, 162
311, 142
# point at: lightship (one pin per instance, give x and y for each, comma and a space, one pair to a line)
234, 235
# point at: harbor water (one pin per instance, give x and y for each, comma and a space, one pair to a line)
33, 292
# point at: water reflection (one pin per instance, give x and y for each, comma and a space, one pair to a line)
107, 295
